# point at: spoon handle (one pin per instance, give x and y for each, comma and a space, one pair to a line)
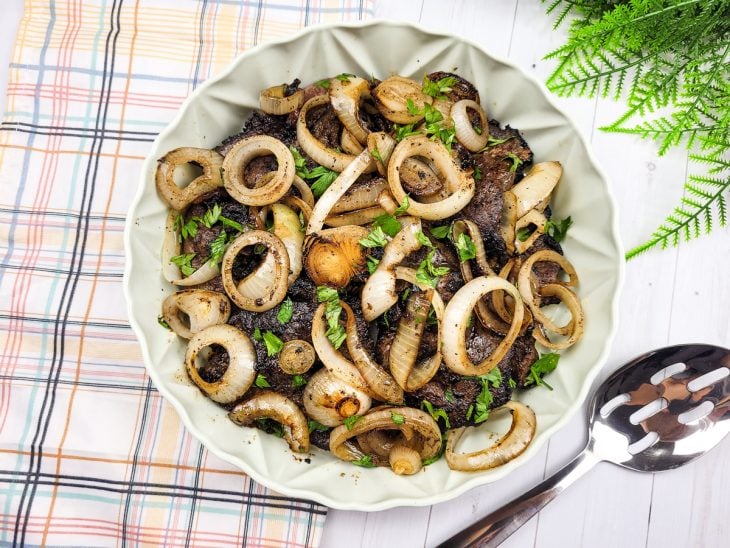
494, 529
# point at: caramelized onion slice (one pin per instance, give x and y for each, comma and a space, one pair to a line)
272, 405
171, 248
240, 373
333, 360
381, 383
297, 357
266, 286
534, 191
190, 311
465, 132
334, 256
329, 400
392, 95
577, 321
460, 186
510, 446
415, 423
180, 198
289, 230
241, 154
335, 191
305, 192
273, 100
378, 293
315, 149
456, 316
532, 217
345, 95
525, 284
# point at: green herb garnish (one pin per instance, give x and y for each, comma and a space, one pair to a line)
466, 248
449, 395
366, 461
344, 77
273, 343
218, 248
270, 426
324, 83
524, 233
230, 223
546, 364
211, 216
477, 173
376, 154
423, 239
257, 336
557, 230
376, 238
439, 88
163, 323
297, 381
261, 381
401, 132
286, 311
428, 273
317, 426
397, 418
516, 161
350, 421
183, 262
187, 230
372, 264
436, 413
389, 224
484, 399
335, 332
440, 232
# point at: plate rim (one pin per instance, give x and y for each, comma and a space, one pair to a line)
477, 479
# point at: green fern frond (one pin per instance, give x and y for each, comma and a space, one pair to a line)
704, 203
670, 61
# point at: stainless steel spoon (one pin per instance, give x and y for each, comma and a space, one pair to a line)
658, 412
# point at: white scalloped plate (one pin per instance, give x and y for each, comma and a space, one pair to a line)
218, 108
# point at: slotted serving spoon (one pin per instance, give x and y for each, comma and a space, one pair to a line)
658, 412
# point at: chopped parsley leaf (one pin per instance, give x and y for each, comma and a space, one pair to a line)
376, 238
230, 223
492, 142
163, 323
397, 418
516, 162
270, 426
324, 178
218, 248
389, 224
286, 311
261, 381
557, 230
187, 230
436, 412
350, 422
344, 77
273, 343
324, 83
318, 426
429, 274
546, 364
403, 207
469, 412
401, 132
372, 264
466, 248
183, 262
484, 399
524, 233
376, 154
257, 336
449, 395
512, 383
335, 332
211, 216
366, 461
477, 173
297, 381
440, 232
423, 239
439, 88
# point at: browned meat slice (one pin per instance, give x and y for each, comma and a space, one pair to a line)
524, 355
324, 124
260, 123
463, 89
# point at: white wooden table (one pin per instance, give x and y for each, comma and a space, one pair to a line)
675, 296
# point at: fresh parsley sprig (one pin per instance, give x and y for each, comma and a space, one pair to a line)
335, 332
546, 364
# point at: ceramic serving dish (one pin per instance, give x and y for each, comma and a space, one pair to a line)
218, 108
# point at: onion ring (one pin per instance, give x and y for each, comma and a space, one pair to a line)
465, 132
180, 198
273, 101
201, 307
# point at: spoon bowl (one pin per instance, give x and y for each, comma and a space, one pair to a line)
657, 412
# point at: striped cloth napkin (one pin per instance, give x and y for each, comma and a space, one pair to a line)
90, 454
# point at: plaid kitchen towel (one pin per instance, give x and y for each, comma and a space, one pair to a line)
90, 454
